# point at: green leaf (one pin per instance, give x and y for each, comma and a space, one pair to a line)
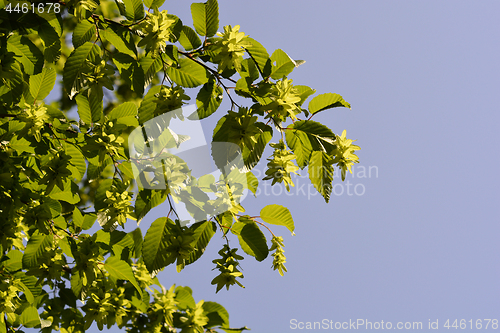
77, 285
83, 110
251, 238
260, 56
3, 327
89, 220
189, 74
121, 39
12, 90
70, 193
89, 107
321, 173
31, 282
279, 215
50, 32
327, 101
282, 64
203, 232
75, 64
206, 17
134, 10
77, 161
35, 248
29, 317
304, 93
248, 70
84, 32
131, 240
126, 109
27, 292
153, 3
252, 154
27, 53
184, 295
150, 67
41, 84
252, 182
189, 39
77, 218
154, 247
208, 100
304, 136
100, 195
14, 261
217, 314
120, 269
20, 145
147, 200
148, 106
130, 71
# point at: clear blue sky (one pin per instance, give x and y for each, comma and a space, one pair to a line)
421, 242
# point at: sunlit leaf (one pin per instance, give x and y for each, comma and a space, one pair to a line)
327, 101
205, 17
279, 215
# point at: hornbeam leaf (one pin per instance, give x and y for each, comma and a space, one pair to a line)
77, 218
72, 74
154, 247
304, 93
120, 269
27, 53
31, 282
189, 39
70, 193
126, 109
184, 295
130, 71
216, 313
35, 248
153, 3
206, 17
251, 238
29, 317
147, 200
189, 74
208, 100
279, 215
84, 32
305, 136
150, 67
321, 173
14, 261
41, 84
84, 110
27, 292
327, 101
134, 10
148, 106
77, 160
12, 90
252, 154
89, 106
282, 64
121, 39
203, 232
259, 54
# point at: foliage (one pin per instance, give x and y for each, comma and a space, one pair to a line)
122, 64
